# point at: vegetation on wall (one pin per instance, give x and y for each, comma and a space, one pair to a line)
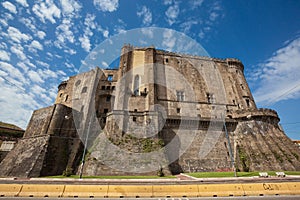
244, 158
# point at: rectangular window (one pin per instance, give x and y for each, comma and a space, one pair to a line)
180, 95
110, 77
105, 110
178, 110
103, 87
210, 97
108, 98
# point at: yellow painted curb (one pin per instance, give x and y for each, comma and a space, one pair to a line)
261, 189
294, 188
88, 191
175, 190
35, 190
9, 190
165, 191
220, 190
129, 191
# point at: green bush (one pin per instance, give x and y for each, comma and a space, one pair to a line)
68, 172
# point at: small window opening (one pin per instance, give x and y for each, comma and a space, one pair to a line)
105, 110
135, 110
84, 89
103, 87
210, 98
136, 85
108, 98
66, 99
134, 119
107, 87
242, 87
178, 110
248, 102
167, 60
113, 87
233, 101
110, 77
180, 95
60, 94
77, 83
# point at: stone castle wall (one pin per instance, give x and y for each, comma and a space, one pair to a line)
158, 110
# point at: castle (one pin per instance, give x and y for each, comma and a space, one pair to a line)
158, 110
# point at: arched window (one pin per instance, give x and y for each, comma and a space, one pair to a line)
136, 85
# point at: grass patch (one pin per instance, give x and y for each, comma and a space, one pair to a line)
110, 177
239, 174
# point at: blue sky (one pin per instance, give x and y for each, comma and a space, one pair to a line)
44, 42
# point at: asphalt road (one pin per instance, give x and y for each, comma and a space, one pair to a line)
202, 198
148, 182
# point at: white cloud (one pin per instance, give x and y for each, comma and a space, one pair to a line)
104, 64
35, 45
3, 22
70, 51
46, 10
70, 7
9, 6
19, 51
14, 99
169, 40
147, 32
64, 33
196, 3
4, 55
167, 2
23, 3
28, 23
213, 16
41, 34
15, 35
13, 72
105, 33
85, 43
187, 25
172, 14
35, 77
146, 14
278, 76
106, 5
90, 24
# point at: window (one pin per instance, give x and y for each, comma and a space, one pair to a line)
167, 60
107, 87
248, 102
66, 99
84, 89
103, 87
113, 87
180, 95
105, 110
77, 83
210, 97
134, 119
60, 94
110, 77
178, 110
136, 85
108, 98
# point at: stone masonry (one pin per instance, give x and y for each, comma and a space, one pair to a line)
158, 110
